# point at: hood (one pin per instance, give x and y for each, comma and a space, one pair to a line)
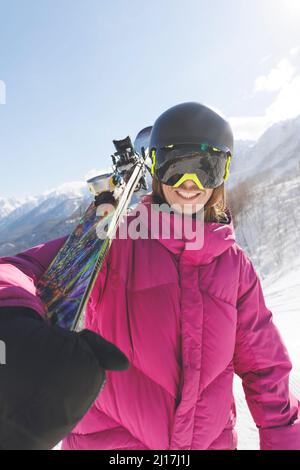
198, 243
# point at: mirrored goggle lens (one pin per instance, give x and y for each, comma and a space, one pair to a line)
209, 170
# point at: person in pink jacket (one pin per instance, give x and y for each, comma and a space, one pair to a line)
187, 316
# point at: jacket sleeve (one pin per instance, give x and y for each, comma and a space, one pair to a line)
262, 362
19, 275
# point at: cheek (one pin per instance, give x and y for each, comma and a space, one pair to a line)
167, 192
207, 197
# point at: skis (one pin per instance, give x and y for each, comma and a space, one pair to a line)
66, 286
121, 209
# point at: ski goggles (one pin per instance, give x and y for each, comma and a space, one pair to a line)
204, 164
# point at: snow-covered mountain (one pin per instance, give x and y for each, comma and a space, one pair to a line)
267, 222
45, 217
11, 204
264, 195
275, 153
241, 147
41, 218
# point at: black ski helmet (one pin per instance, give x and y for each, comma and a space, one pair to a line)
189, 123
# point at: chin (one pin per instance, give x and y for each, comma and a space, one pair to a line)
187, 208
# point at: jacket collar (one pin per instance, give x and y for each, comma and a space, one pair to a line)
193, 249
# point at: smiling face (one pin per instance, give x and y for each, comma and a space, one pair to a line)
187, 195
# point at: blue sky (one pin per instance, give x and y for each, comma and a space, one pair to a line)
79, 73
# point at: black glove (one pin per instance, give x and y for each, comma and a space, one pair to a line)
50, 380
106, 197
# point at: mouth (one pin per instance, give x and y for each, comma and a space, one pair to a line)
189, 195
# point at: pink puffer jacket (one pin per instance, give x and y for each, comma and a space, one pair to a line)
187, 320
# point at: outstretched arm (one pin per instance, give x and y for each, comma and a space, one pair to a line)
19, 275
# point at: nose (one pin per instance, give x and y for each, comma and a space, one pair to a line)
189, 185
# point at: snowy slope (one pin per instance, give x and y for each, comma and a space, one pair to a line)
267, 226
266, 200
